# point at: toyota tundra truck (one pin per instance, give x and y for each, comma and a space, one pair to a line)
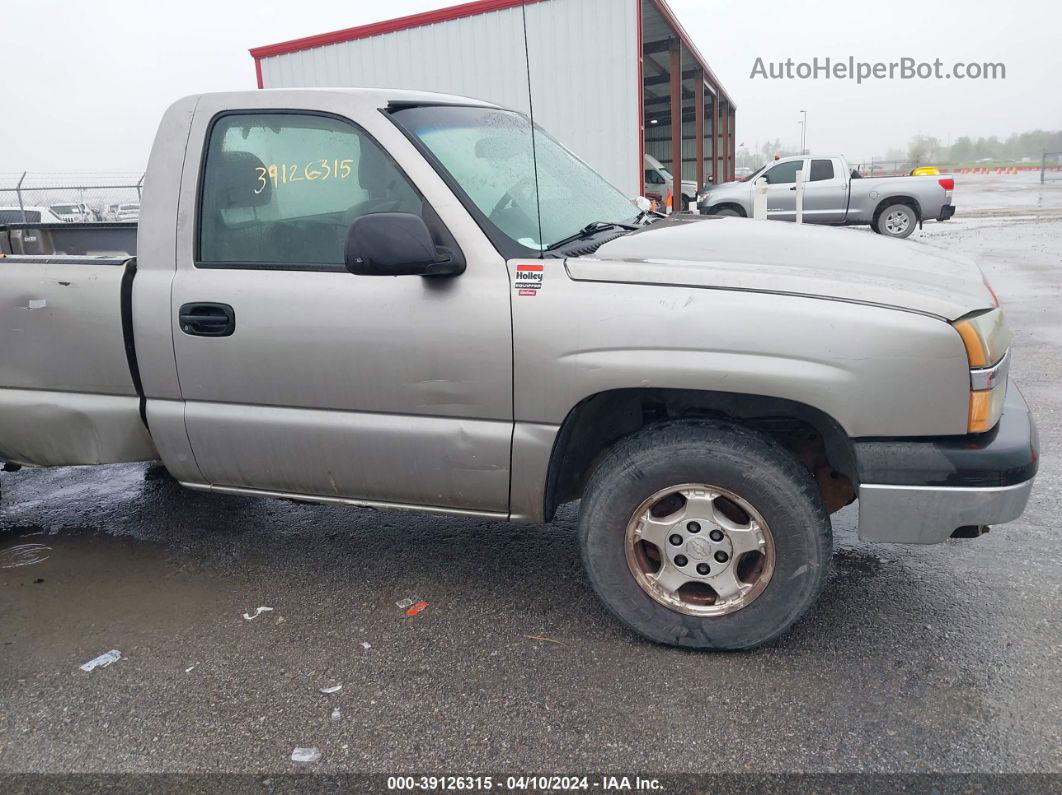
836, 194
368, 298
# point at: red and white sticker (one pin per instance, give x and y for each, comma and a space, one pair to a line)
528, 279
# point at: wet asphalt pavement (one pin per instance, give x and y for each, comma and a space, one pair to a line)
943, 658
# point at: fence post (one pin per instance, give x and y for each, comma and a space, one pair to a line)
1043, 167
799, 188
139, 187
18, 192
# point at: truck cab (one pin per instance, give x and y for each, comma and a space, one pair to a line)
416, 301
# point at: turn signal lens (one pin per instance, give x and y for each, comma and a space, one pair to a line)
976, 350
986, 408
980, 412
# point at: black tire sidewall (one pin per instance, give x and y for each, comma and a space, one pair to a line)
750, 466
879, 227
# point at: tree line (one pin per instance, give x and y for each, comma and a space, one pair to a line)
929, 149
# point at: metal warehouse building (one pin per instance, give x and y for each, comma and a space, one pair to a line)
612, 79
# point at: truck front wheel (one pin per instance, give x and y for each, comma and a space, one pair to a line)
896, 220
704, 535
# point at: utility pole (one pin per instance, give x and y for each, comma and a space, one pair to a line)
803, 131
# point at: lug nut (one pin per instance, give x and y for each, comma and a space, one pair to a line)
702, 568
716, 535
693, 527
676, 540
722, 557
681, 560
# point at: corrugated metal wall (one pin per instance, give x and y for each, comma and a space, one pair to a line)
584, 71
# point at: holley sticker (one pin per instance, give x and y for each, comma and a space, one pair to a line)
528, 279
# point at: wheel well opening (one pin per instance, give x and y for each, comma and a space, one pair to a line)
728, 206
599, 422
910, 201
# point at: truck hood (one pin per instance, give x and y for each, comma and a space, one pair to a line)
794, 259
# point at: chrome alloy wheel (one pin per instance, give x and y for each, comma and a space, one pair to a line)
700, 550
897, 222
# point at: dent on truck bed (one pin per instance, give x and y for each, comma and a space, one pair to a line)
67, 395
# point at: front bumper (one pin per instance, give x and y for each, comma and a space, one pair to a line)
946, 212
921, 491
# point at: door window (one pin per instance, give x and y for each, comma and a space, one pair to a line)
282, 189
784, 173
821, 169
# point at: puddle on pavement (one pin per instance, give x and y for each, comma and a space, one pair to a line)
80, 591
23, 555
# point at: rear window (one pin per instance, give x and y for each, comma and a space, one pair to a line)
65, 208
821, 169
15, 216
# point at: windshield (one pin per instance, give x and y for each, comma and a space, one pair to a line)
65, 209
488, 153
755, 174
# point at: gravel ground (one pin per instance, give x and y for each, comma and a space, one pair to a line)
919, 659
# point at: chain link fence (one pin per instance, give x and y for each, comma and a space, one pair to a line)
886, 168
31, 197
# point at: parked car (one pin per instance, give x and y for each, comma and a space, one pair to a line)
33, 215
110, 213
127, 212
71, 213
835, 194
362, 297
659, 187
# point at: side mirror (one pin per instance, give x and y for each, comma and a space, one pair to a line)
396, 244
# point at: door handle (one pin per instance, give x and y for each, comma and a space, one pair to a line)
793, 188
207, 319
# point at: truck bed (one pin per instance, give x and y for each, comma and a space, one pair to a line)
69, 363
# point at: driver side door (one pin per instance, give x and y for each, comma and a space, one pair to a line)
300, 378
781, 190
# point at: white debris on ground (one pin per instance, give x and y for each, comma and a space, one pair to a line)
102, 661
306, 755
258, 611
330, 690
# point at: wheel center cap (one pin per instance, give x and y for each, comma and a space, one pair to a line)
698, 549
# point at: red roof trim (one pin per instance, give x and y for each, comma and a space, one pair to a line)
388, 26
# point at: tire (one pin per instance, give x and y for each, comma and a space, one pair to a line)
728, 212
748, 466
896, 220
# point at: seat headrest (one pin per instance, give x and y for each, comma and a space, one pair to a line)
235, 176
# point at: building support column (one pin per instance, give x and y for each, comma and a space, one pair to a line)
733, 143
726, 140
699, 132
676, 124
717, 140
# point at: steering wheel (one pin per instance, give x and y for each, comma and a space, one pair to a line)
521, 193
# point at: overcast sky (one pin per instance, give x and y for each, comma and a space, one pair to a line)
84, 83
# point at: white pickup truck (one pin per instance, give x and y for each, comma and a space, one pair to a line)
366, 297
836, 194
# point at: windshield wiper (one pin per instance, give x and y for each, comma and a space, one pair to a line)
590, 230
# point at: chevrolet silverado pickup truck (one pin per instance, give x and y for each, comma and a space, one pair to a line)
367, 298
835, 194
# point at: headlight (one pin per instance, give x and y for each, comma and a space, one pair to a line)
987, 340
